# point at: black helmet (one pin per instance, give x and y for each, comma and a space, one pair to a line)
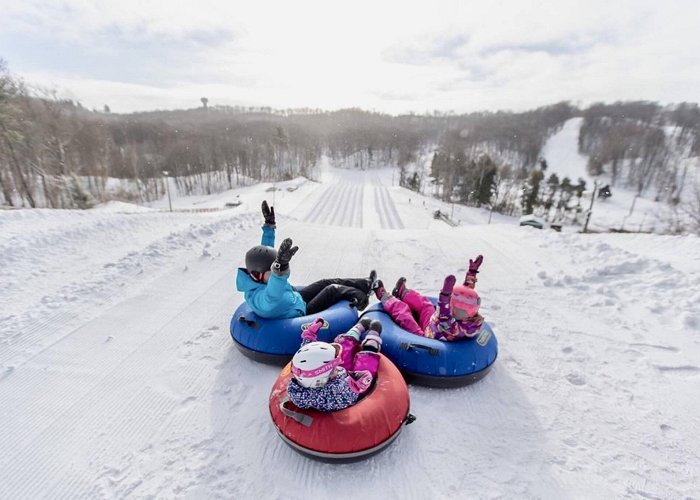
259, 259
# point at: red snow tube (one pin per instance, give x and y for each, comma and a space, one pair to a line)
345, 435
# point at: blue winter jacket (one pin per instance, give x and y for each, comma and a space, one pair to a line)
274, 299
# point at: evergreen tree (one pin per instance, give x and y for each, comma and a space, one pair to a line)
552, 186
531, 191
79, 196
487, 186
414, 182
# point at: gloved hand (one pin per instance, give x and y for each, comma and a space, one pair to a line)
268, 213
284, 255
448, 285
475, 264
311, 332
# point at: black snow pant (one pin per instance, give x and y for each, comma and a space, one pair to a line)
322, 294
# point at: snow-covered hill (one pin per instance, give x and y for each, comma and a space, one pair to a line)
119, 379
622, 211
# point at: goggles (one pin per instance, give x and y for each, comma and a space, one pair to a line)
256, 275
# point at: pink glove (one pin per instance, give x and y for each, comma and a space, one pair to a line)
475, 264
311, 332
448, 285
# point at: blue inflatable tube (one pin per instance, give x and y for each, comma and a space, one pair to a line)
435, 363
275, 341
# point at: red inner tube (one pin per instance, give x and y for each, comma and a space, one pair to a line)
363, 426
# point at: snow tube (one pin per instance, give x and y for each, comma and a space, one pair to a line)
346, 435
435, 363
275, 341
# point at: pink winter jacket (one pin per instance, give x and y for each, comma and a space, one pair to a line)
443, 326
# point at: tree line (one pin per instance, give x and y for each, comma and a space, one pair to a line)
642, 145
56, 153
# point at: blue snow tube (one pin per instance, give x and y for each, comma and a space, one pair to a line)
435, 363
275, 341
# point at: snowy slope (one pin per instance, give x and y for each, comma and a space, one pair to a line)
622, 211
561, 153
119, 378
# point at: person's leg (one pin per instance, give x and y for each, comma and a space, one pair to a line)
364, 284
311, 290
421, 306
401, 314
334, 293
366, 362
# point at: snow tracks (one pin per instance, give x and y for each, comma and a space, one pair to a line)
339, 205
344, 204
388, 215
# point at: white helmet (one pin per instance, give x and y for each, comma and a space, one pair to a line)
313, 364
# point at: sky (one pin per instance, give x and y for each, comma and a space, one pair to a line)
388, 56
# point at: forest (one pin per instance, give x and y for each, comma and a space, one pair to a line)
55, 153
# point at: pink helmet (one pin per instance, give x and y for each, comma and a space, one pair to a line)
313, 363
465, 300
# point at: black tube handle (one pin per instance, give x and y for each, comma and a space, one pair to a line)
247, 322
407, 346
304, 420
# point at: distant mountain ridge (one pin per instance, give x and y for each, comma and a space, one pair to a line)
55, 153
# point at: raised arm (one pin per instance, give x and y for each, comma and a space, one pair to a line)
268, 228
310, 334
444, 298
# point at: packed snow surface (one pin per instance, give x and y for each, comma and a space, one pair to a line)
119, 379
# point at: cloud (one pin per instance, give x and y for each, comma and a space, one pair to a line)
555, 47
426, 50
390, 56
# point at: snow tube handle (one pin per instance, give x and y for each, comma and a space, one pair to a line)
248, 322
407, 346
304, 420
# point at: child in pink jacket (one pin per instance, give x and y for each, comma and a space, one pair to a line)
456, 316
331, 377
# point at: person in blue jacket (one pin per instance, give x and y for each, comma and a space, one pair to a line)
264, 280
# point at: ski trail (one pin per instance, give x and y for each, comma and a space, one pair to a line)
390, 209
338, 206
319, 208
359, 203
380, 212
386, 209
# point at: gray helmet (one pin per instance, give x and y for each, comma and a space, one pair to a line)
259, 259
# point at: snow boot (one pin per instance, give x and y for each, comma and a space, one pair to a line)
379, 289
399, 290
373, 339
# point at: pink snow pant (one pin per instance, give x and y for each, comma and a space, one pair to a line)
404, 312
354, 360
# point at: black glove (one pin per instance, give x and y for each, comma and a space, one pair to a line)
268, 213
284, 255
